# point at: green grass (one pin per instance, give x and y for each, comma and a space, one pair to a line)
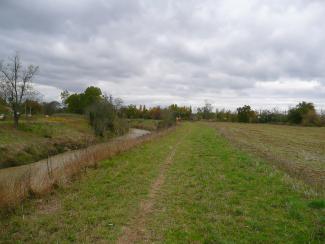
302, 145
40, 136
213, 193
300, 151
94, 207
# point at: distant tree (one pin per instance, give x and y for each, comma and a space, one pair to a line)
16, 84
167, 118
3, 106
322, 117
155, 113
101, 116
184, 112
74, 104
104, 119
118, 105
2, 101
304, 113
64, 96
144, 112
32, 107
205, 112
3, 93
91, 95
131, 111
78, 103
225, 115
51, 107
245, 114
271, 116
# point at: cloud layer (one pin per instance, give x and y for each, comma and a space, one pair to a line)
259, 52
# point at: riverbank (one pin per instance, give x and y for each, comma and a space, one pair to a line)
17, 183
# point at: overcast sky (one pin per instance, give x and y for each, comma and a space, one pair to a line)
259, 52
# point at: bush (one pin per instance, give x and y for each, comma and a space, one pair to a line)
246, 114
274, 116
310, 118
304, 113
168, 119
121, 126
104, 120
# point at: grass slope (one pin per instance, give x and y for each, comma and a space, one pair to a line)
212, 193
39, 137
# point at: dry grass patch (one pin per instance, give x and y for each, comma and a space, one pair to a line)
300, 151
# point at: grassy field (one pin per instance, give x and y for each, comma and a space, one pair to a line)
300, 151
189, 186
39, 137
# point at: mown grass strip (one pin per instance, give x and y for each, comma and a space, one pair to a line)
95, 207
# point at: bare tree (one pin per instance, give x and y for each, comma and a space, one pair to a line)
16, 83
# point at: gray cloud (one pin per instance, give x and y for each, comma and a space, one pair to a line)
185, 51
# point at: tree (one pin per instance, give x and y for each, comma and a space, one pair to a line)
3, 106
184, 112
225, 115
245, 114
16, 84
32, 107
78, 103
206, 111
104, 119
155, 113
51, 107
64, 96
74, 103
304, 113
131, 111
91, 95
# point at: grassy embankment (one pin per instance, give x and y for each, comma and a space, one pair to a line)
40, 137
211, 193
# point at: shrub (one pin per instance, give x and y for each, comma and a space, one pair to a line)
246, 114
273, 116
168, 119
121, 126
104, 120
310, 118
304, 113
205, 112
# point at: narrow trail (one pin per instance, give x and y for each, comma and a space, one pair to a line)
136, 231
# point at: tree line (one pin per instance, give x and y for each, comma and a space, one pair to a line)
304, 113
106, 113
